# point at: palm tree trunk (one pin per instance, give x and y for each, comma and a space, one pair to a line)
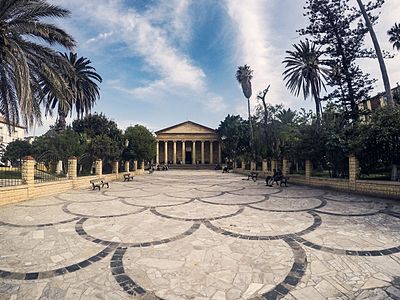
385, 76
251, 131
61, 123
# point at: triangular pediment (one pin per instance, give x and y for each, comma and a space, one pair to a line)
187, 127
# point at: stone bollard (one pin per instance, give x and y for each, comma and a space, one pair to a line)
142, 166
354, 166
126, 166
285, 167
28, 170
99, 167
135, 163
72, 167
308, 169
115, 167
253, 166
264, 166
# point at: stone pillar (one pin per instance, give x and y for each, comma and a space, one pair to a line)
115, 167
253, 166
157, 152
72, 167
165, 152
353, 171
220, 153
142, 166
135, 165
274, 165
99, 167
127, 166
174, 158
308, 169
211, 152
264, 165
285, 167
202, 152
59, 167
194, 152
183, 152
28, 170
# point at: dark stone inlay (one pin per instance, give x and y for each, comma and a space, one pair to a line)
66, 210
56, 272
322, 204
316, 223
157, 213
38, 225
164, 205
337, 251
124, 281
111, 245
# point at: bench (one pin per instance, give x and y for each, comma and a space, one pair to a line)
253, 175
282, 180
151, 170
99, 182
128, 177
225, 170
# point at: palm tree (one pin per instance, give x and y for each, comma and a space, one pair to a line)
84, 89
244, 75
26, 60
304, 73
394, 34
378, 51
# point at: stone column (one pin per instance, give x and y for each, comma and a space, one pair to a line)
253, 166
157, 152
142, 166
59, 167
353, 171
28, 170
264, 165
194, 152
72, 167
174, 158
202, 152
135, 165
165, 152
99, 167
115, 167
183, 152
274, 165
285, 167
220, 153
308, 169
211, 152
127, 166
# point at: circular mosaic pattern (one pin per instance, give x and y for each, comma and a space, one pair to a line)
188, 234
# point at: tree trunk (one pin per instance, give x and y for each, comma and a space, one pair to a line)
61, 122
385, 76
251, 131
394, 172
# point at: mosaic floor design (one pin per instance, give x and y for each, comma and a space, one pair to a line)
200, 235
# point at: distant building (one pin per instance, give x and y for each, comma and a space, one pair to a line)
380, 100
6, 137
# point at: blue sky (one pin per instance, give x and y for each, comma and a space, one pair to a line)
167, 61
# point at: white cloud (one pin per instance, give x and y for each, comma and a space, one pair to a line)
100, 37
215, 104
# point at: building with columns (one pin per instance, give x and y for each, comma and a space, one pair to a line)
188, 143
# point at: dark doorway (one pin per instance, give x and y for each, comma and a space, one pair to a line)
188, 157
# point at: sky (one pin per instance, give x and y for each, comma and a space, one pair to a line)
168, 61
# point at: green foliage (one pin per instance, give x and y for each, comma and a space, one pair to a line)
338, 29
394, 36
377, 142
142, 144
233, 134
17, 150
60, 146
27, 61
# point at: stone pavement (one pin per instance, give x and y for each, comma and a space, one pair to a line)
200, 235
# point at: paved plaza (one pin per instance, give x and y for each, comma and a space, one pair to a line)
200, 235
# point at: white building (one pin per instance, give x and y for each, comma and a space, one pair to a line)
6, 137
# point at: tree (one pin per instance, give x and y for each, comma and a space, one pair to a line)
304, 73
142, 143
17, 150
337, 28
81, 79
394, 36
234, 138
378, 51
27, 63
244, 75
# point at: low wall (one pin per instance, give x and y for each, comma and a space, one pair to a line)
387, 189
24, 192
